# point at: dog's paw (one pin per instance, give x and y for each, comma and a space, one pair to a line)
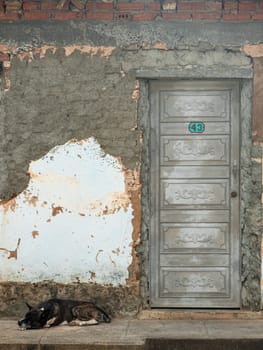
83, 323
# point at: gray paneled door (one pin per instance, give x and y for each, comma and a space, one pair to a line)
194, 234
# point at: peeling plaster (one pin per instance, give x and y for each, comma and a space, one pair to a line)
29, 53
253, 50
75, 219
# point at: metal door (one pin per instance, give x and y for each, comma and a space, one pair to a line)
194, 233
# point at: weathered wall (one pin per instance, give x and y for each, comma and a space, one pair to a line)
51, 96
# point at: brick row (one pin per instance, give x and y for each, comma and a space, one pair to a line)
210, 10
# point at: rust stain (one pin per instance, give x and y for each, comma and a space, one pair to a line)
9, 204
110, 204
133, 189
31, 200
35, 233
12, 253
56, 210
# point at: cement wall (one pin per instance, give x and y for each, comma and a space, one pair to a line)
75, 144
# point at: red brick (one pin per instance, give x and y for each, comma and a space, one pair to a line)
257, 16
37, 15
206, 16
146, 16
211, 5
236, 17
68, 15
9, 16
260, 5
90, 15
191, 6
247, 6
13, 6
103, 6
30, 5
122, 16
130, 6
154, 6
230, 5
102, 16
4, 57
49, 5
175, 15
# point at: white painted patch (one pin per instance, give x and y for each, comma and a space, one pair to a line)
74, 220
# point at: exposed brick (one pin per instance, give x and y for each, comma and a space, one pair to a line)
258, 99
247, 6
78, 4
154, 6
191, 6
31, 5
90, 15
260, 5
68, 15
236, 16
12, 6
49, 5
104, 16
130, 6
9, 16
214, 5
175, 15
122, 16
257, 16
230, 5
4, 57
206, 16
103, 6
146, 16
37, 15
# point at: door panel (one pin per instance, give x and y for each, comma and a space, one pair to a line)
194, 236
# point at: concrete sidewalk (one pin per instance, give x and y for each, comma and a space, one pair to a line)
134, 334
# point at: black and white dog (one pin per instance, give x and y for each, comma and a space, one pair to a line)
56, 311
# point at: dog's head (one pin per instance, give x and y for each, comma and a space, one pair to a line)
36, 317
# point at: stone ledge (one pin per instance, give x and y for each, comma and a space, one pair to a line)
199, 315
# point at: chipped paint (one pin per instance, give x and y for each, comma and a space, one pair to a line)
75, 217
35, 233
29, 53
103, 51
12, 253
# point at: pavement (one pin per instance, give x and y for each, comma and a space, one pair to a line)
134, 334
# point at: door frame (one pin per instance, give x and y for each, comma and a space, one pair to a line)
233, 301
250, 293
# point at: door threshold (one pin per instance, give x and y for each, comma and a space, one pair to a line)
199, 314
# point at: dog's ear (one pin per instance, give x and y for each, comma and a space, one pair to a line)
29, 306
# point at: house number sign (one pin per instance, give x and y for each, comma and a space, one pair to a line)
196, 127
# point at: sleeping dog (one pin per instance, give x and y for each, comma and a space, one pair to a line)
56, 311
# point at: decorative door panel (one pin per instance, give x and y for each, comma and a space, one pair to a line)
194, 234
